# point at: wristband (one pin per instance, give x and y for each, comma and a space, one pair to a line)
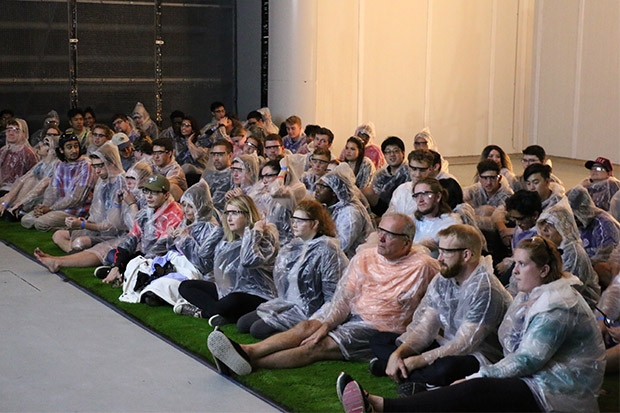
117, 206
601, 318
284, 168
83, 224
5, 204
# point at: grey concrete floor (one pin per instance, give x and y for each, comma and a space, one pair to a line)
63, 350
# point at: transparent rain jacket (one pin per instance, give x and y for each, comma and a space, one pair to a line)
602, 192
306, 274
203, 235
574, 258
16, 158
148, 126
552, 342
365, 174
353, 223
599, 231
246, 264
219, 182
462, 318
173, 172
476, 196
610, 300
385, 183
382, 293
150, 230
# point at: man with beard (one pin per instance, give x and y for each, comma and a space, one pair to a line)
466, 303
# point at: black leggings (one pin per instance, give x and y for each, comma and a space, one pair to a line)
203, 294
476, 395
442, 372
253, 324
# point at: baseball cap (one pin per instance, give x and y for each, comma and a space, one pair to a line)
604, 162
157, 183
121, 140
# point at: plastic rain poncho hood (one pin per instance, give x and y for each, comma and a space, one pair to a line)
602, 192
305, 274
574, 258
552, 342
148, 126
353, 223
270, 127
250, 164
432, 145
16, 158
467, 314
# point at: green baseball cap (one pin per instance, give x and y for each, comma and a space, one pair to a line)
158, 183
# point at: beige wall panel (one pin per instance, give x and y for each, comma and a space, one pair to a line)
557, 24
337, 69
598, 132
459, 79
503, 70
393, 67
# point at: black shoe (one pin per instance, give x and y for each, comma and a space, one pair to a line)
377, 367
153, 300
102, 271
410, 388
217, 321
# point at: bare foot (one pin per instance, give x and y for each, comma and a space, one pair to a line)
47, 260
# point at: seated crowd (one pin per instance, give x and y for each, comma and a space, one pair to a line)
502, 295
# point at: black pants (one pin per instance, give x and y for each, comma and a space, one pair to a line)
203, 294
442, 372
253, 324
476, 395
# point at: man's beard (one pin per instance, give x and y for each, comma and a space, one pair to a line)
451, 271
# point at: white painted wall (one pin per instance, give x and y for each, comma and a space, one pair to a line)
459, 67
575, 102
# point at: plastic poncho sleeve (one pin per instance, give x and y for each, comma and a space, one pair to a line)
542, 339
200, 248
365, 174
424, 326
339, 308
77, 193
610, 300
259, 248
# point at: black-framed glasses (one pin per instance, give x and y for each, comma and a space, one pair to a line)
489, 177
417, 168
236, 169
420, 143
234, 213
97, 165
160, 152
300, 220
251, 145
12, 129
269, 175
273, 147
598, 169
322, 185
606, 320
52, 135
187, 125
98, 135
218, 153
321, 161
450, 250
391, 151
427, 194
389, 234
147, 191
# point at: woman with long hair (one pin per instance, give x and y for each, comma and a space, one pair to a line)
363, 168
498, 155
306, 273
242, 268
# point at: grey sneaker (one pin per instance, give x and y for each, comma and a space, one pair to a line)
188, 310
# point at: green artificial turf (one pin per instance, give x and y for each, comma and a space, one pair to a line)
310, 388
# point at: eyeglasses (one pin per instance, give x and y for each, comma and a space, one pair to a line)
606, 320
147, 191
236, 169
12, 129
416, 169
419, 143
160, 152
220, 111
322, 185
489, 177
250, 144
427, 194
299, 220
598, 169
52, 135
449, 250
273, 147
218, 153
98, 135
97, 165
382, 232
117, 122
234, 213
269, 175
320, 161
392, 151
132, 178
187, 125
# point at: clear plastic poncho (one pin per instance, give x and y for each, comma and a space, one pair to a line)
382, 293
602, 191
270, 127
104, 194
250, 163
373, 151
429, 227
432, 145
173, 172
476, 196
610, 300
365, 174
16, 158
574, 258
353, 223
124, 218
246, 264
219, 182
71, 187
37, 136
557, 195
277, 201
600, 232
552, 342
148, 126
203, 235
306, 274
462, 318
29, 188
385, 183
149, 234
402, 201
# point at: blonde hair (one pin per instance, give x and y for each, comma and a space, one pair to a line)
247, 206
